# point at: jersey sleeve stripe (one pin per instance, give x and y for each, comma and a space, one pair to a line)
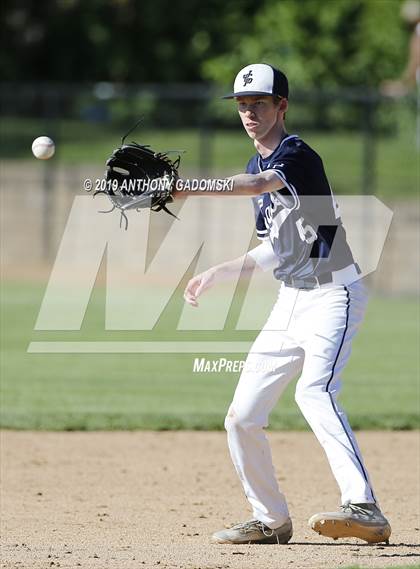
289, 186
262, 234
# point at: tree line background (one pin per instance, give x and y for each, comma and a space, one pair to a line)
319, 43
85, 71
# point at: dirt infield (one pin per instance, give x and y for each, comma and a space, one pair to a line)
140, 499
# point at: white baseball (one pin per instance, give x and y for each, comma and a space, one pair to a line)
43, 147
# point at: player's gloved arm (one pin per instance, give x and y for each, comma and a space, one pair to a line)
255, 184
238, 185
198, 284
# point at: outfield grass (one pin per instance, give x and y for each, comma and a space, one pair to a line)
81, 142
160, 391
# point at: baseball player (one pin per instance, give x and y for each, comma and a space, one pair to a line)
310, 330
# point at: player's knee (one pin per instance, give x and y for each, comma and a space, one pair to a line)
232, 421
244, 421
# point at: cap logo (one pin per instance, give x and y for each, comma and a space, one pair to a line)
247, 77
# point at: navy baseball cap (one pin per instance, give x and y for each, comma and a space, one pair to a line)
260, 79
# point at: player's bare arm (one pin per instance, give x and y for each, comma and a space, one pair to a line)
239, 185
255, 184
202, 282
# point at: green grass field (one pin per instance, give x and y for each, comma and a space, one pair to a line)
79, 142
160, 391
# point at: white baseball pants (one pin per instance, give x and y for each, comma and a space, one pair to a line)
308, 332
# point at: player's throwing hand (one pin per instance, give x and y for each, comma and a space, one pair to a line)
197, 285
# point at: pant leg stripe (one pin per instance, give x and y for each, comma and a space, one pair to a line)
365, 476
342, 340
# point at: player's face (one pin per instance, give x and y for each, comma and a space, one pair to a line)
259, 114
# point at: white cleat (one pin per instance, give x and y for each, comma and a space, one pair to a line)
254, 531
364, 521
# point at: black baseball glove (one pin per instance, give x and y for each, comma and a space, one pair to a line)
138, 178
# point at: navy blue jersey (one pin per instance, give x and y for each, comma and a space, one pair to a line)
301, 220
